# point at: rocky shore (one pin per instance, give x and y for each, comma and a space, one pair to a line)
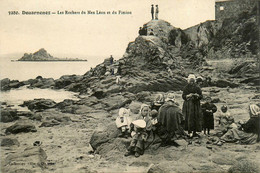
81, 136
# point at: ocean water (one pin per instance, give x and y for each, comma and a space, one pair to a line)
16, 70
15, 97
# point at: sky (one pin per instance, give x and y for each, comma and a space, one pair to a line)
94, 35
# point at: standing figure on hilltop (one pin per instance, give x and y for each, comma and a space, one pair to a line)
191, 107
152, 11
111, 59
156, 12
140, 31
208, 110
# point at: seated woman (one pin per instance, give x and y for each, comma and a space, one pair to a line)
123, 122
170, 118
139, 135
144, 114
225, 121
158, 102
247, 133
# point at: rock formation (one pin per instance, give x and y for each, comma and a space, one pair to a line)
43, 55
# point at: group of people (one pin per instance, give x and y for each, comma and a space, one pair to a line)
156, 12
163, 120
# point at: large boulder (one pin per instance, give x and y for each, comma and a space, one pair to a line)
8, 115
25, 114
102, 136
244, 68
66, 80
7, 142
162, 84
32, 158
39, 104
21, 126
7, 84
224, 83
42, 83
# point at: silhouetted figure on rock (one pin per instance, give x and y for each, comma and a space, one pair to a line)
111, 59
156, 12
152, 11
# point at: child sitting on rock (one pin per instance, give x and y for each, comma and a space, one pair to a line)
123, 122
139, 136
225, 120
208, 109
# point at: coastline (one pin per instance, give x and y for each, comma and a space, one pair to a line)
47, 60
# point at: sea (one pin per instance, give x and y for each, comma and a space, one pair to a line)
17, 70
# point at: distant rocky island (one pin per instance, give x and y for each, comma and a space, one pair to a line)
43, 55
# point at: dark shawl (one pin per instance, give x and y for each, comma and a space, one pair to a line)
170, 117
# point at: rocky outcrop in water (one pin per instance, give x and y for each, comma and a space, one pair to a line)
39, 104
43, 55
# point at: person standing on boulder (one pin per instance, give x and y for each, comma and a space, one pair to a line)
152, 11
191, 107
111, 59
156, 12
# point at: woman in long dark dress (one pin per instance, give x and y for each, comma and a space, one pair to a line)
191, 107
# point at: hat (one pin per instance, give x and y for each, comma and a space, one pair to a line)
191, 76
154, 113
142, 107
139, 123
159, 98
170, 97
255, 110
199, 79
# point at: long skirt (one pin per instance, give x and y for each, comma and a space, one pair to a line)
193, 116
234, 135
